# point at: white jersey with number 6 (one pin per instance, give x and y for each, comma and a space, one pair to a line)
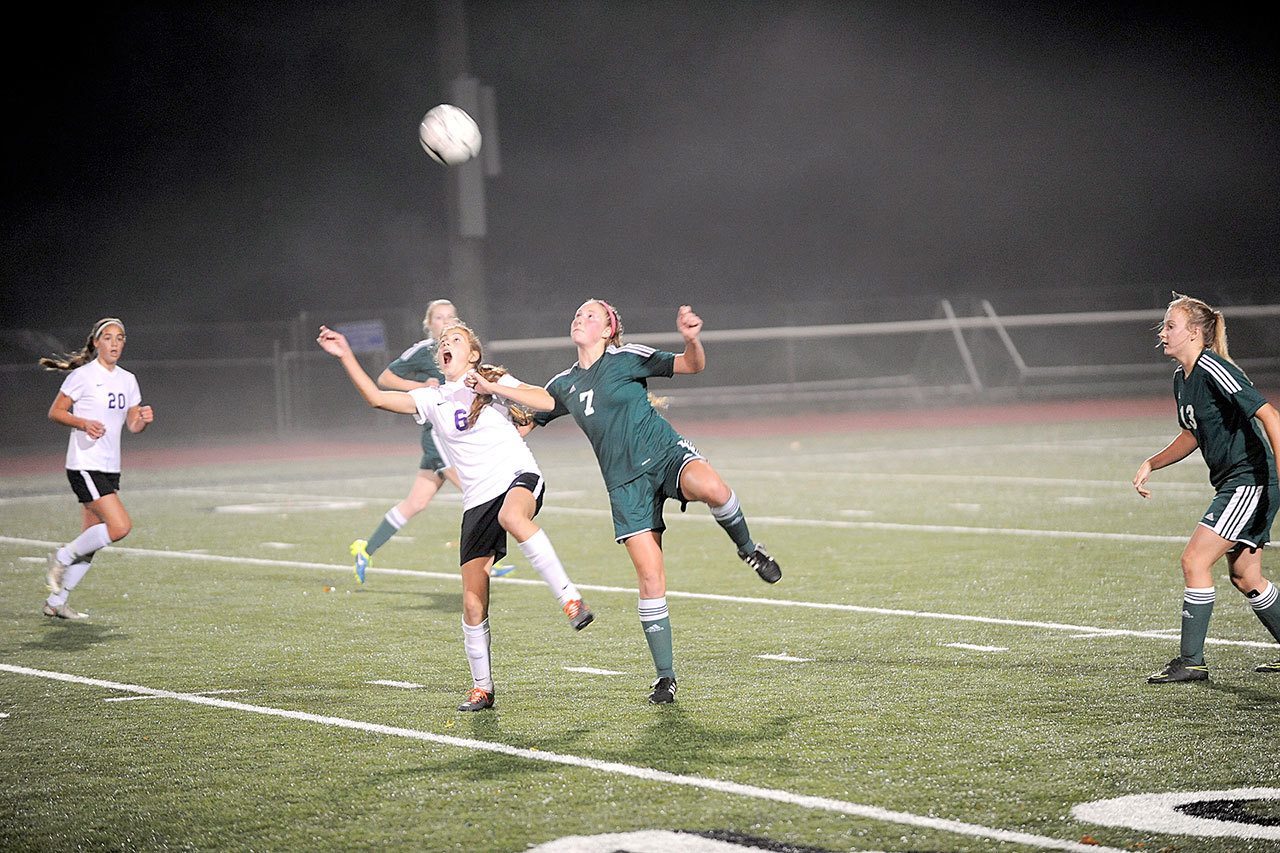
488, 455
103, 395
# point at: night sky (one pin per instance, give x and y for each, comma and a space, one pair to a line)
249, 162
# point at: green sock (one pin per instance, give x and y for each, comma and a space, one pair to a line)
1266, 606
1197, 607
730, 517
657, 633
391, 522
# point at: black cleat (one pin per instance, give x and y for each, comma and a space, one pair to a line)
664, 691
477, 700
766, 567
1273, 667
1179, 670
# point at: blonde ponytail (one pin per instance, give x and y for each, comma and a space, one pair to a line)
1212, 325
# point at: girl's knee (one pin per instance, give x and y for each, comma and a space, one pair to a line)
119, 530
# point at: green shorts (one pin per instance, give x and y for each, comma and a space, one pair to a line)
637, 505
1243, 514
432, 458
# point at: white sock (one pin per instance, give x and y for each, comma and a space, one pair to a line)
537, 549
1265, 598
653, 609
85, 545
70, 578
475, 639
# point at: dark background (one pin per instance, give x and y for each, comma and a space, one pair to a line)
252, 161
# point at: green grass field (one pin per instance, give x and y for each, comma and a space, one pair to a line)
955, 658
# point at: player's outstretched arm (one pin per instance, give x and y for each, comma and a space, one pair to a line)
694, 357
336, 345
530, 396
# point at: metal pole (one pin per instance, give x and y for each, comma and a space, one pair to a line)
1006, 340
465, 183
965, 356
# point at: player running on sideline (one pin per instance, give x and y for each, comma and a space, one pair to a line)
1217, 408
502, 487
644, 461
98, 399
415, 368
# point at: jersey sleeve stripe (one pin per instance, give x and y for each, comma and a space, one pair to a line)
564, 372
637, 349
1219, 372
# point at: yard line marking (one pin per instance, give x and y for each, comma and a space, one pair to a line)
592, 670
1159, 634
786, 658
648, 774
136, 698
1119, 484
972, 647
386, 682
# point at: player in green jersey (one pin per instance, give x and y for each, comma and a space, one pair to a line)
643, 459
1220, 412
415, 368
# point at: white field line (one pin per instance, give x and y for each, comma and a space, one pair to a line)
386, 682
1118, 485
972, 647
702, 596
785, 658
611, 767
840, 524
136, 698
590, 670
1096, 445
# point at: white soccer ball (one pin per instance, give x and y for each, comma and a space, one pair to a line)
449, 135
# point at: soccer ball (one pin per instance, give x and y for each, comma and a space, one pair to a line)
449, 135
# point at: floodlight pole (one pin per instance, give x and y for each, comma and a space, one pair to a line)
467, 285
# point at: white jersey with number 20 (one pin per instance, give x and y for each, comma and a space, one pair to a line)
103, 395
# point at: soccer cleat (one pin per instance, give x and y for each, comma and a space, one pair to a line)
1179, 670
477, 700
499, 570
1274, 666
358, 550
64, 611
53, 576
766, 567
664, 691
579, 614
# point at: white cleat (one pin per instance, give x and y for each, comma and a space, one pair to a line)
64, 611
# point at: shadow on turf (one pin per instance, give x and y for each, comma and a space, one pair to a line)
72, 637
448, 602
1259, 700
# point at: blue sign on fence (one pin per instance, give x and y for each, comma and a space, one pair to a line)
365, 335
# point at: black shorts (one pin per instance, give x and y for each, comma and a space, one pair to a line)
482, 535
91, 485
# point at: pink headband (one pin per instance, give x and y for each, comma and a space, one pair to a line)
613, 317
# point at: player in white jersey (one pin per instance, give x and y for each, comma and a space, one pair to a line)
97, 400
502, 488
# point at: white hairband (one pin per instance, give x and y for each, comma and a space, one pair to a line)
102, 324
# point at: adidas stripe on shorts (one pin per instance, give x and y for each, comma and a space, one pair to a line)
1243, 514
